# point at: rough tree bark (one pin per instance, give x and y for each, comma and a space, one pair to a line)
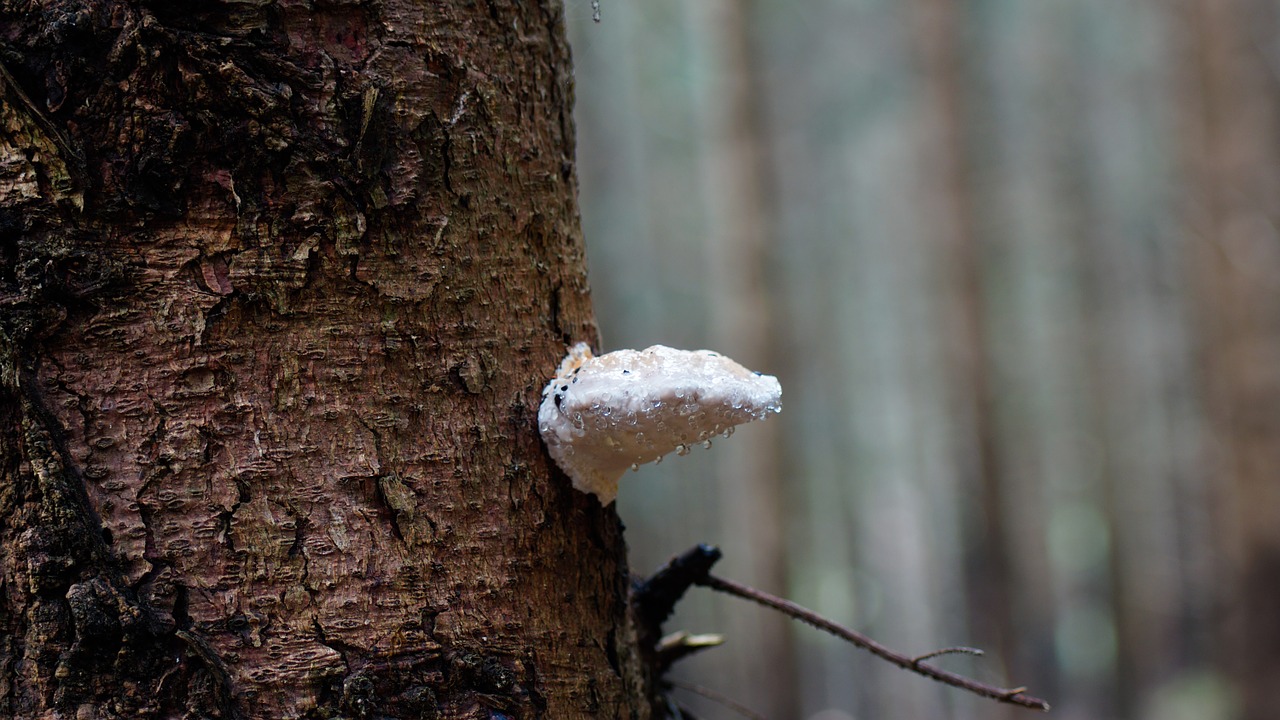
281, 283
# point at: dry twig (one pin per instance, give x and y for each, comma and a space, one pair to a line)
1014, 696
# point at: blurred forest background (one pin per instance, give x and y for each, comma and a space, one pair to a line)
1016, 263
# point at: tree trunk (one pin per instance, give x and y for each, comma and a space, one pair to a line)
740, 253
281, 285
1235, 163
938, 30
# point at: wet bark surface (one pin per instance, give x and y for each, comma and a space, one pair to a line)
280, 286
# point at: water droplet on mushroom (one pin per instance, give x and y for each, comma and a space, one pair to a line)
706, 444
635, 406
635, 467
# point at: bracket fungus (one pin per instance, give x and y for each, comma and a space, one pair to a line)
602, 415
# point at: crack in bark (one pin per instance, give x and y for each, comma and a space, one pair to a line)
67, 476
323, 638
446, 155
210, 317
389, 505
392, 513
214, 666
82, 401
304, 580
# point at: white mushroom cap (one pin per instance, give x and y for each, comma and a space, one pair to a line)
602, 415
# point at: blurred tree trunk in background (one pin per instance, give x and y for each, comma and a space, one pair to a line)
740, 248
941, 51
281, 285
1234, 147
997, 419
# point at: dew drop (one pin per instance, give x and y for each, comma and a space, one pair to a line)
728, 431
635, 467
657, 460
682, 449
706, 444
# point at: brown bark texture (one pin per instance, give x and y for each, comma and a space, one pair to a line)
281, 284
